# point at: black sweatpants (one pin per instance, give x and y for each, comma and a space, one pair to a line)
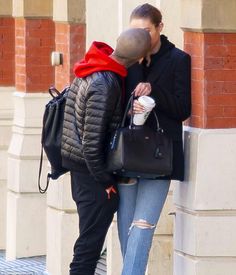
95, 216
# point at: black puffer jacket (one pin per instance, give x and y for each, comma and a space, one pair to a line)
92, 112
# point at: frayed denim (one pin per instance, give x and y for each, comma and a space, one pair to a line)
139, 210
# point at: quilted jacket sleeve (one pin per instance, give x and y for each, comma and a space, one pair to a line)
100, 104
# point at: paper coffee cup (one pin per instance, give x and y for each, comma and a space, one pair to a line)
148, 103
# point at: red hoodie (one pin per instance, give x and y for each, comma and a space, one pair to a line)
97, 59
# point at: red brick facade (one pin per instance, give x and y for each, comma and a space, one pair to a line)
34, 43
26, 46
70, 41
25, 53
213, 79
7, 51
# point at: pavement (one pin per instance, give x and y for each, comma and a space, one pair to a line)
24, 266
37, 265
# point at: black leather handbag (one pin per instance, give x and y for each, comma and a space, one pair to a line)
139, 151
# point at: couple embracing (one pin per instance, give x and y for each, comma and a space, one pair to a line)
146, 62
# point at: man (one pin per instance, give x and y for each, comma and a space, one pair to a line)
93, 110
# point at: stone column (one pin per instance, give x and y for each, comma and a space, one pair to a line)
26, 208
171, 14
70, 28
161, 254
7, 82
205, 235
62, 217
102, 19
106, 19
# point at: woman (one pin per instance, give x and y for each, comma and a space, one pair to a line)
165, 76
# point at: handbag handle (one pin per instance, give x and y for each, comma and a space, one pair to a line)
127, 109
131, 124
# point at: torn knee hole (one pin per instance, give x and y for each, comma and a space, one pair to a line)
143, 224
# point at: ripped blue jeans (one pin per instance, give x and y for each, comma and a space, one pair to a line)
141, 203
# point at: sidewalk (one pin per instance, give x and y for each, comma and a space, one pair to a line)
36, 266
24, 266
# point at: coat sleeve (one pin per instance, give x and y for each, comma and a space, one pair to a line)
100, 106
175, 104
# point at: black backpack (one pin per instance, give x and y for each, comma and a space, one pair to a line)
51, 135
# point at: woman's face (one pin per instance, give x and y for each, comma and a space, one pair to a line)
145, 23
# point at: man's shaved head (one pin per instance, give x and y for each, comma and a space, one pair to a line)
132, 45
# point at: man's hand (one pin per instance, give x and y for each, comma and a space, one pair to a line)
110, 190
143, 88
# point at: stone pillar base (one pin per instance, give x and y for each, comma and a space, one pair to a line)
186, 265
206, 206
3, 201
6, 117
62, 226
61, 235
114, 257
26, 221
26, 207
161, 255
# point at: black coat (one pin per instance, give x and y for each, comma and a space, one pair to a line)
92, 112
170, 77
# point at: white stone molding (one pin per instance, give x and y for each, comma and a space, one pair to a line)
62, 225
26, 225
114, 257
205, 236
59, 194
6, 116
26, 207
62, 231
210, 156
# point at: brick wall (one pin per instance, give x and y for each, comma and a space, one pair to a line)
213, 79
34, 44
25, 51
70, 41
7, 51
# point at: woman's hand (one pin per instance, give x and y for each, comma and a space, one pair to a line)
137, 107
143, 88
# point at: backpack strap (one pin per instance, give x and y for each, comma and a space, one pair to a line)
42, 190
51, 91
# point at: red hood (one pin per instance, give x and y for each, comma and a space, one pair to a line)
97, 59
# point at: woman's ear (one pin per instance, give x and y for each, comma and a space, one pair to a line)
160, 26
